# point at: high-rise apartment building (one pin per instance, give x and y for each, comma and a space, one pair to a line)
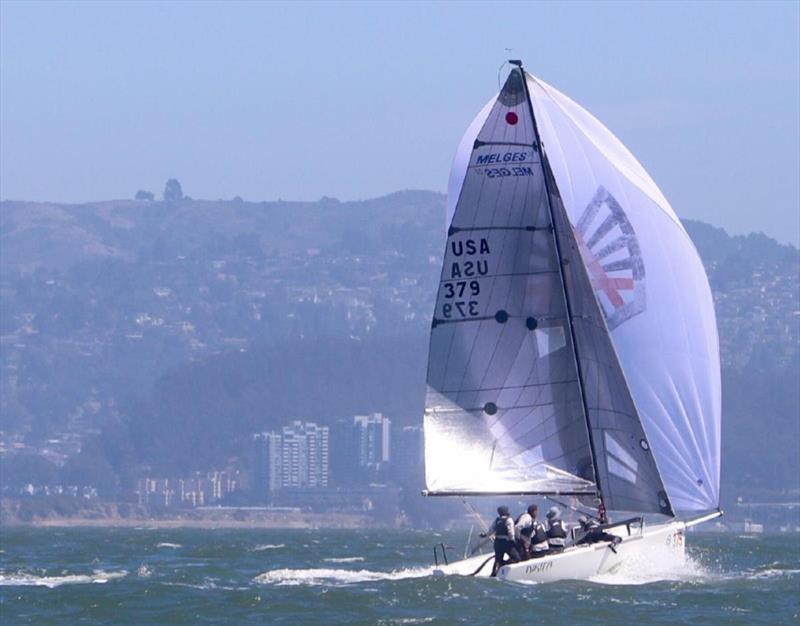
304, 455
371, 435
267, 464
295, 457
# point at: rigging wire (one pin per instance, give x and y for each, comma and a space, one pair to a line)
487, 531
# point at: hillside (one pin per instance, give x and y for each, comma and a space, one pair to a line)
162, 334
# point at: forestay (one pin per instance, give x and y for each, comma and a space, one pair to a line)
649, 281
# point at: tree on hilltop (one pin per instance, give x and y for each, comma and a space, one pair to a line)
172, 190
144, 195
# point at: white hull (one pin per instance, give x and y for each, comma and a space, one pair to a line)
643, 544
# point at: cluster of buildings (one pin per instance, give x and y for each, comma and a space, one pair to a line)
87, 492
198, 489
363, 450
356, 463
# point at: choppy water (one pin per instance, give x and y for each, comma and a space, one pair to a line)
140, 576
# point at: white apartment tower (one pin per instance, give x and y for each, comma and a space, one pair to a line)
304, 455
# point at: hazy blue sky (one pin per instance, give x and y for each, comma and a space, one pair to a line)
355, 100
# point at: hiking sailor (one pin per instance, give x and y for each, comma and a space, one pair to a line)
593, 533
556, 533
503, 529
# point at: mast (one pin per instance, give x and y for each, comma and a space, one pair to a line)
576, 359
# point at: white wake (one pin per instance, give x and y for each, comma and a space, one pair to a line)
654, 565
335, 577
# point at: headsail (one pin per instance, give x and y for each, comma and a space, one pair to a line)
654, 292
626, 470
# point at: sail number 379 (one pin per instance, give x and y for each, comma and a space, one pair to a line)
461, 308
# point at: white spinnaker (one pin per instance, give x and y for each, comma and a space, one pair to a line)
664, 330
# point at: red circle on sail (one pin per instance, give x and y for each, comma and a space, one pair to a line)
512, 118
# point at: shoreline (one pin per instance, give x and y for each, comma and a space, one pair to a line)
14, 514
204, 524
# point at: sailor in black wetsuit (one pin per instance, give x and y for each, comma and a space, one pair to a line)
592, 533
503, 529
556, 533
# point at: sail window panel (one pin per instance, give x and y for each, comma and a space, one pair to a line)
556, 366
551, 337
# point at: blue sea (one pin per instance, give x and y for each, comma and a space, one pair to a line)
145, 576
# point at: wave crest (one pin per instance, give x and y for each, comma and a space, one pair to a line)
26, 579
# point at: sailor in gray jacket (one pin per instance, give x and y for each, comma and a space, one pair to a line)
531, 534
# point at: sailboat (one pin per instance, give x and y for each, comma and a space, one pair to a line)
573, 351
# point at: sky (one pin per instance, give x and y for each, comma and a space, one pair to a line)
355, 100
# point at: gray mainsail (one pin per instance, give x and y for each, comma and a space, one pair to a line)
506, 408
503, 408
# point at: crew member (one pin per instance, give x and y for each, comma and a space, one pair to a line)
592, 533
503, 529
556, 533
523, 529
539, 545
